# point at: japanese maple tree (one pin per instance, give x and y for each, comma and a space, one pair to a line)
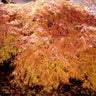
56, 41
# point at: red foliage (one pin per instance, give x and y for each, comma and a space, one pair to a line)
56, 41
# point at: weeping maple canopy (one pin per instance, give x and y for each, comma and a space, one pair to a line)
55, 39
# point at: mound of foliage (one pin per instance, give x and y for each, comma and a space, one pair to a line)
52, 40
